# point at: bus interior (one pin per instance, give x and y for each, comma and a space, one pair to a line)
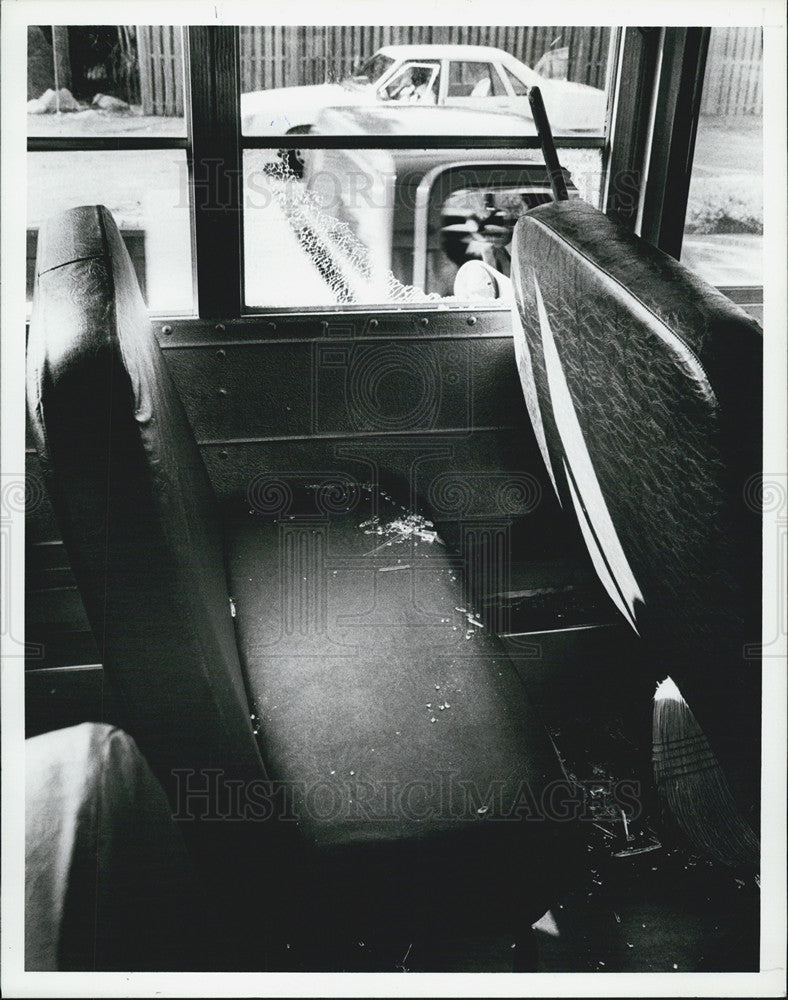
393, 498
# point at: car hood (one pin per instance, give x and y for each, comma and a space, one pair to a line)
276, 111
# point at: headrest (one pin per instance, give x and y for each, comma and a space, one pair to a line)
643, 384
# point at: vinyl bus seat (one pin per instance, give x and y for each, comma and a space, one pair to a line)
329, 679
108, 882
644, 388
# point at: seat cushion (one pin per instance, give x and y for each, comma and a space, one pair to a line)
391, 716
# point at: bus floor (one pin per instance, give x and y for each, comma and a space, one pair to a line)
644, 904
647, 904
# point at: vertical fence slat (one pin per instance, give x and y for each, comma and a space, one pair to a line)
165, 83
158, 72
756, 96
178, 65
244, 40
166, 68
154, 62
735, 61
143, 60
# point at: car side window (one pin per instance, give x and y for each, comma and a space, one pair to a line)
413, 82
474, 79
520, 89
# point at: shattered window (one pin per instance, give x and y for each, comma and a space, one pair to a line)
340, 224
377, 226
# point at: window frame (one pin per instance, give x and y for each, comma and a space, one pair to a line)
448, 142
507, 76
671, 59
492, 72
652, 142
49, 144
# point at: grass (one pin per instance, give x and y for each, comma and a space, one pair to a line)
724, 144
726, 192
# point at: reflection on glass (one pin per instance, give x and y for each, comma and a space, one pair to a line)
111, 80
475, 78
386, 226
147, 193
723, 234
292, 76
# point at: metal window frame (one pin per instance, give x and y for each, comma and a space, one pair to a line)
421, 142
53, 144
448, 142
643, 155
652, 141
672, 147
630, 123
653, 132
217, 182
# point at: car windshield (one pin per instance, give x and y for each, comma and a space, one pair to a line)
370, 71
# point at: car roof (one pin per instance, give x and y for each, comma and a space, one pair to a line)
445, 51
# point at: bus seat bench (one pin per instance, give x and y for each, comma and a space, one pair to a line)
295, 652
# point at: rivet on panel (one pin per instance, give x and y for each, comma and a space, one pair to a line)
166, 330
219, 327
271, 325
373, 324
222, 392
223, 453
424, 321
471, 321
221, 353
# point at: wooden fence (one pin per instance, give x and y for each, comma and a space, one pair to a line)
291, 56
160, 51
734, 73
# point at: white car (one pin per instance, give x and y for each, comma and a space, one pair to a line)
476, 76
